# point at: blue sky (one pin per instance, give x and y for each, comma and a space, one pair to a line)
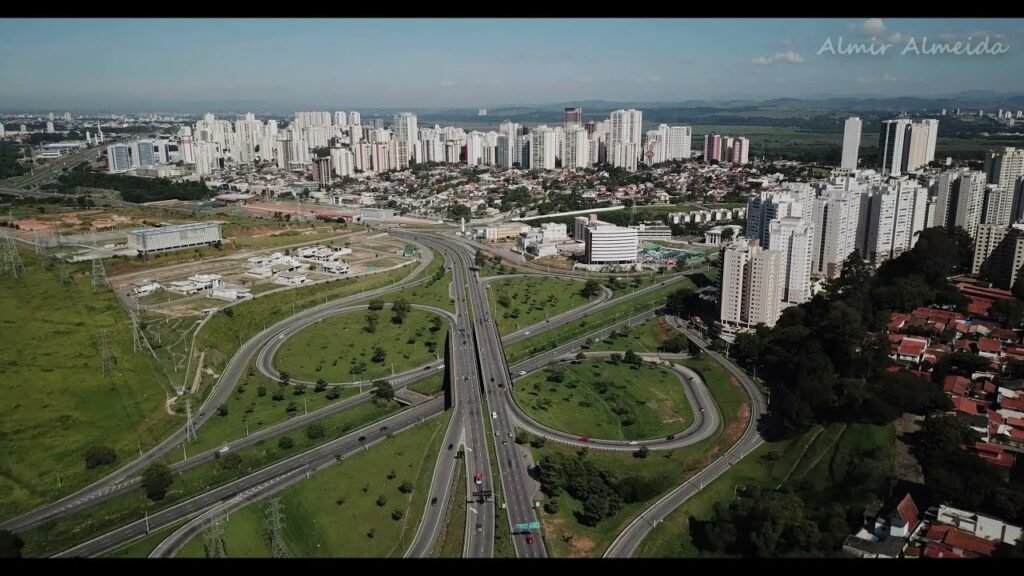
440, 63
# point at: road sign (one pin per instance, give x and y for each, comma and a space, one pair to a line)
521, 527
534, 525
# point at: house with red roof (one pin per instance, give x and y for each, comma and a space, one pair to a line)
969, 406
911, 349
992, 453
885, 535
956, 385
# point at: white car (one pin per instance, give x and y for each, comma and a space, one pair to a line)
522, 372
633, 443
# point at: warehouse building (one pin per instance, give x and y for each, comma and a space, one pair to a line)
174, 237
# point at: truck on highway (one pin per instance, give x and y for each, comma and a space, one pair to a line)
479, 478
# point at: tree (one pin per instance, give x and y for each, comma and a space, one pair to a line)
321, 385
458, 211
678, 302
222, 410
99, 455
229, 461
397, 515
383, 390
632, 358
333, 394
315, 431
405, 487
261, 391
285, 443
376, 304
1008, 310
642, 453
435, 324
677, 343
480, 259
592, 287
284, 378
277, 396
615, 358
551, 506
379, 354
156, 480
382, 501
580, 356
10, 544
521, 437
400, 309
371, 323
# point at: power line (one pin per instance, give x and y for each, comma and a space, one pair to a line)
190, 426
213, 535
99, 275
108, 358
10, 262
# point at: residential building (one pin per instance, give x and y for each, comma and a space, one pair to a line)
573, 117
892, 145
851, 143
740, 152
624, 138
1005, 168
543, 145
679, 139
835, 216
323, 171
405, 128
999, 254
651, 232
712, 147
751, 286
769, 205
794, 238
891, 215
577, 148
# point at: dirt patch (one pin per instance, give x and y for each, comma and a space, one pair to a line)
735, 430
906, 465
661, 327
579, 546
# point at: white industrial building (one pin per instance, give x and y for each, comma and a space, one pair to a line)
174, 237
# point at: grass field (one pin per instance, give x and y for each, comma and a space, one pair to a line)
56, 400
520, 302
819, 453
435, 292
566, 537
245, 536
646, 337
548, 340
91, 522
450, 542
334, 512
599, 399
289, 237
335, 348
429, 386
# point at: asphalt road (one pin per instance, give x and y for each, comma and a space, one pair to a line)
629, 539
305, 463
221, 392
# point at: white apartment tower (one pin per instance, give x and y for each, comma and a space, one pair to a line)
1004, 168
577, 148
794, 237
679, 138
543, 145
835, 215
753, 280
624, 138
851, 143
891, 215
406, 130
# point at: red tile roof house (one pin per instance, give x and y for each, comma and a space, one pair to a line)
969, 406
885, 535
956, 385
911, 349
948, 542
992, 453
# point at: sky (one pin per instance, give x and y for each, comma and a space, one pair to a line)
167, 64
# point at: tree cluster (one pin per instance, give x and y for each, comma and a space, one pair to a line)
137, 189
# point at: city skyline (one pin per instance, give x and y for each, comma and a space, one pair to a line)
443, 63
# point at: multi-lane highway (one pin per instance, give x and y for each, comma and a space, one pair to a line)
629, 539
307, 462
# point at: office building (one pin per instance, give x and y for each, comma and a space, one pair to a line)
119, 158
145, 153
173, 237
752, 286
573, 117
793, 237
610, 244
851, 143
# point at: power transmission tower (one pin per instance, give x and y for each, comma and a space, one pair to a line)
136, 332
99, 275
190, 426
275, 525
213, 536
10, 260
108, 358
65, 278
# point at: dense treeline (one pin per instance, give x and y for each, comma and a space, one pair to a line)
9, 166
134, 188
819, 361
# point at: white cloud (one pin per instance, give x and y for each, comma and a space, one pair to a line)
870, 27
889, 78
654, 78
788, 56
863, 80
447, 83
895, 38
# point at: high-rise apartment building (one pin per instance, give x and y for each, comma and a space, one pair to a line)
543, 146
712, 147
406, 129
323, 172
835, 215
740, 151
906, 146
573, 117
891, 215
679, 138
769, 205
1005, 167
752, 285
794, 238
577, 148
999, 254
354, 119
624, 138
851, 143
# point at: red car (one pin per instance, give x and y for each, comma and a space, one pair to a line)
529, 539
584, 439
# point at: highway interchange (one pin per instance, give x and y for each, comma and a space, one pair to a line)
481, 383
